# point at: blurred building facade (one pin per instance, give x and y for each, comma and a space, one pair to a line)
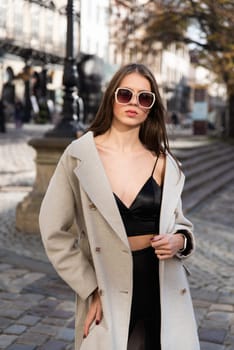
94, 33
107, 34
32, 49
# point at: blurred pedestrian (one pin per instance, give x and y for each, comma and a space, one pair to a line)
123, 186
2, 117
175, 119
19, 114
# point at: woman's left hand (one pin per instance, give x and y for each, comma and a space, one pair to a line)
167, 245
94, 313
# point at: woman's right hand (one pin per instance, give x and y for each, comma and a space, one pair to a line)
94, 313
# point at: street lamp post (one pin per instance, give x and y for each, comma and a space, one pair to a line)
67, 126
50, 147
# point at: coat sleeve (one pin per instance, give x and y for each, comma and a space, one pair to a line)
183, 225
55, 220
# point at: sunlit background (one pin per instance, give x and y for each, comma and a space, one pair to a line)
107, 34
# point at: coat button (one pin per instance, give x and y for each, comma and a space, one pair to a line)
101, 293
75, 244
125, 251
97, 249
183, 291
92, 206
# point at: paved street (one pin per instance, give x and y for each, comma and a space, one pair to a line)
36, 307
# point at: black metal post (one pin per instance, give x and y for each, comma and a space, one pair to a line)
68, 125
27, 102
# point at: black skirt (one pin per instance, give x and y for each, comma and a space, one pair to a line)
145, 310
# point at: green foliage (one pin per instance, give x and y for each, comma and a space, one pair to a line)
214, 47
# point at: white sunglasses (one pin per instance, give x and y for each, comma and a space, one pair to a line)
145, 99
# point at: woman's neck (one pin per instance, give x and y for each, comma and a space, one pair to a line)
121, 141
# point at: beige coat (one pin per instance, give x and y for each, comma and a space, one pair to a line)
99, 253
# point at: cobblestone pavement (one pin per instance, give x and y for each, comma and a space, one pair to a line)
36, 307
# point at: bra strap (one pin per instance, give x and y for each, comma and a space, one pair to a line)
154, 166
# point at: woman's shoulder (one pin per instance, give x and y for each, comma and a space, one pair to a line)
86, 137
172, 158
78, 148
80, 143
174, 164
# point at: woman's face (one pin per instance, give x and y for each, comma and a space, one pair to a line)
131, 114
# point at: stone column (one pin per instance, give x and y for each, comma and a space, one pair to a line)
48, 152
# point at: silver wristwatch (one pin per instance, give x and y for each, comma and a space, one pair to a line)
185, 244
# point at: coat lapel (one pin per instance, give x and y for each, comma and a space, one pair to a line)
94, 181
172, 188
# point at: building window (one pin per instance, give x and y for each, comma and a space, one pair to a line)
3, 13
62, 31
35, 23
199, 94
49, 26
18, 18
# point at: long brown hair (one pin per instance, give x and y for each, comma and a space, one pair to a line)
153, 131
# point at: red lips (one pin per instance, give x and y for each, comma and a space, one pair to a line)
131, 112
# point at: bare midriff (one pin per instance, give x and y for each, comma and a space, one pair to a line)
140, 242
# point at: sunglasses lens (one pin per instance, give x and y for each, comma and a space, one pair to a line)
146, 99
124, 95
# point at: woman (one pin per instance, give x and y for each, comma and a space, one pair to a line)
123, 187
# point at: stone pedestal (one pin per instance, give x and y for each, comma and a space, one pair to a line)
48, 152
